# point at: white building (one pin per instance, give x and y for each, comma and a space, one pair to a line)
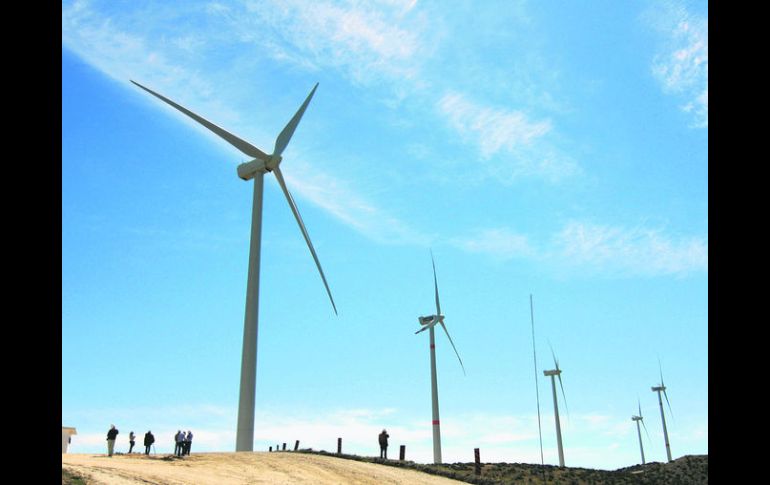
66, 432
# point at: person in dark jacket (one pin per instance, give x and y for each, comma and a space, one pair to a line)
188, 442
132, 441
111, 435
179, 442
384, 444
149, 439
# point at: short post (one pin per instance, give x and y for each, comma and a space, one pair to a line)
296, 445
478, 460
271, 449
402, 452
284, 447
339, 446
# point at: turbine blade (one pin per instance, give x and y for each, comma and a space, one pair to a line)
435, 284
553, 354
640, 407
288, 130
238, 143
453, 346
563, 395
290, 199
660, 367
669, 404
422, 329
645, 430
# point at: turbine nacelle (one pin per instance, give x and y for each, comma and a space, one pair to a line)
431, 320
554, 372
636, 418
248, 170
659, 388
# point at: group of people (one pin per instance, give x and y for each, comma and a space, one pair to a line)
182, 441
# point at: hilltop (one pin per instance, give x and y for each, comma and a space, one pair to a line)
320, 468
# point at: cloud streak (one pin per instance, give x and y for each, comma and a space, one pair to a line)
335, 196
365, 43
510, 144
597, 250
681, 64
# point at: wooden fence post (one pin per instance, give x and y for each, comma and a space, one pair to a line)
284, 447
339, 446
402, 452
271, 449
477, 457
296, 445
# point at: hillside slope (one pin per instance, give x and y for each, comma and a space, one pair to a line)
321, 468
235, 469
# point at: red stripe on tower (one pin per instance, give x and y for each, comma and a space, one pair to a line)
435, 422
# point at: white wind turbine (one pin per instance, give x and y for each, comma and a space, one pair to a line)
557, 373
255, 169
427, 324
662, 388
639, 418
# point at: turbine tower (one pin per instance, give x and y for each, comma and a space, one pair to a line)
427, 324
639, 418
557, 373
255, 169
662, 388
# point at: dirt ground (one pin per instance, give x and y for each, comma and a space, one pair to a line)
239, 468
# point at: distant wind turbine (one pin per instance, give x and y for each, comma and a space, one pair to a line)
557, 372
662, 388
255, 169
639, 419
427, 324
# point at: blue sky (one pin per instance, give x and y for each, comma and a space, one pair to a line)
549, 148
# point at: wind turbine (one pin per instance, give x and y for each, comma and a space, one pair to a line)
639, 418
662, 388
427, 324
552, 373
255, 169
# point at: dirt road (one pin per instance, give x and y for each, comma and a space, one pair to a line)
240, 468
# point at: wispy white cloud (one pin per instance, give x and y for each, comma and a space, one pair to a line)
681, 64
606, 249
493, 129
499, 242
509, 143
337, 197
366, 43
597, 250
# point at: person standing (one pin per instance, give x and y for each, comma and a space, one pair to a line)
188, 442
149, 439
179, 440
132, 441
111, 435
384, 444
